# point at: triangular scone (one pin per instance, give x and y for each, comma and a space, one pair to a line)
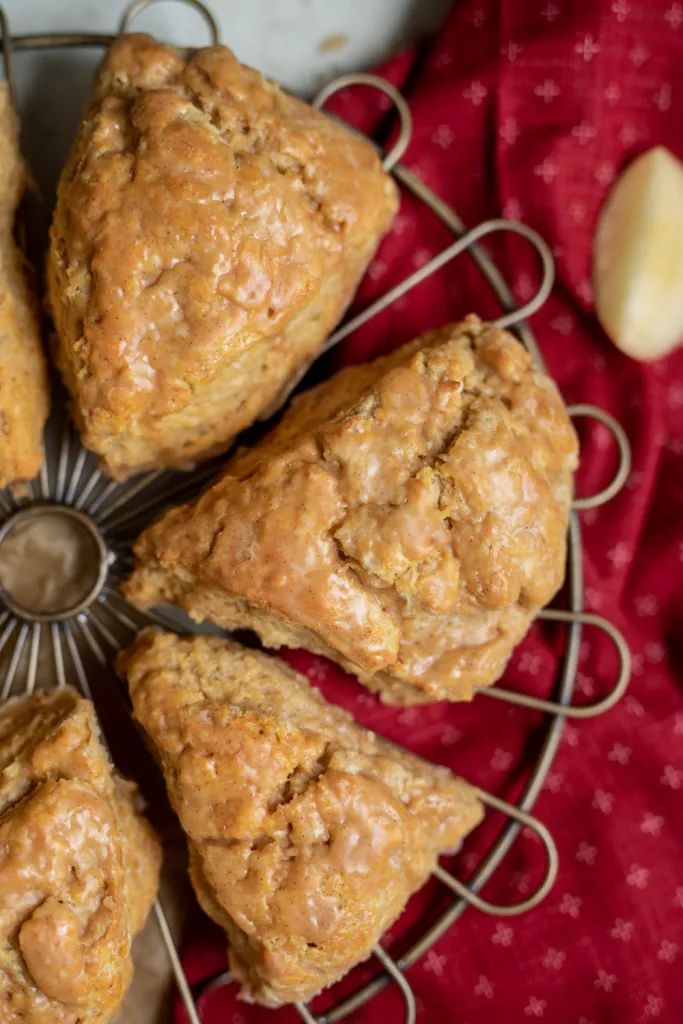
307, 833
209, 232
79, 865
406, 518
24, 390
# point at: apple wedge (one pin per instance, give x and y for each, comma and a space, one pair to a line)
638, 257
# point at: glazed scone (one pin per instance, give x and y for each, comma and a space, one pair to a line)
406, 518
210, 231
307, 834
24, 391
79, 865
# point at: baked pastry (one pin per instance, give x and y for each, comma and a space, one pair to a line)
209, 232
406, 518
307, 834
24, 392
79, 865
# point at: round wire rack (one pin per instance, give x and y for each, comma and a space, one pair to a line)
104, 517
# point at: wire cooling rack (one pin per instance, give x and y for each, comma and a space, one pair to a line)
103, 518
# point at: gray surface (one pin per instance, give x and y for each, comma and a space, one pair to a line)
284, 38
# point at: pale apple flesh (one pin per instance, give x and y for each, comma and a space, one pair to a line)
638, 257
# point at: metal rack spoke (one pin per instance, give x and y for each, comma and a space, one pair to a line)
43, 481
115, 508
77, 661
95, 478
32, 670
8, 629
58, 653
126, 495
19, 645
85, 631
76, 475
104, 631
177, 967
62, 466
110, 489
174, 487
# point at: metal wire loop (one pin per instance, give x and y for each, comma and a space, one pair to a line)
375, 82
396, 975
389, 965
488, 227
468, 239
212, 985
624, 467
306, 1015
569, 710
138, 6
552, 861
545, 255
7, 55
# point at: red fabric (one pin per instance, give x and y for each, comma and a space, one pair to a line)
532, 109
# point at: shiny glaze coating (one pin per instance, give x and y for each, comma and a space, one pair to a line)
307, 834
406, 518
209, 232
79, 866
24, 391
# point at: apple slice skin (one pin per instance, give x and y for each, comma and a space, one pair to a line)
638, 257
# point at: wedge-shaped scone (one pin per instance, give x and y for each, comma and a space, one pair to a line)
406, 518
307, 834
209, 232
79, 865
24, 394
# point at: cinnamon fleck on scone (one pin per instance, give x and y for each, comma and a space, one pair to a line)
79, 865
307, 834
210, 231
24, 391
406, 518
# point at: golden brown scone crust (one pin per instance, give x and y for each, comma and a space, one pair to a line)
307, 834
24, 392
209, 232
79, 865
406, 518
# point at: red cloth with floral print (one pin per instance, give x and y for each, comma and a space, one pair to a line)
532, 109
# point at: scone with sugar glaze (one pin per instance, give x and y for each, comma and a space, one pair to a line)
79, 865
24, 390
209, 232
406, 518
307, 834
